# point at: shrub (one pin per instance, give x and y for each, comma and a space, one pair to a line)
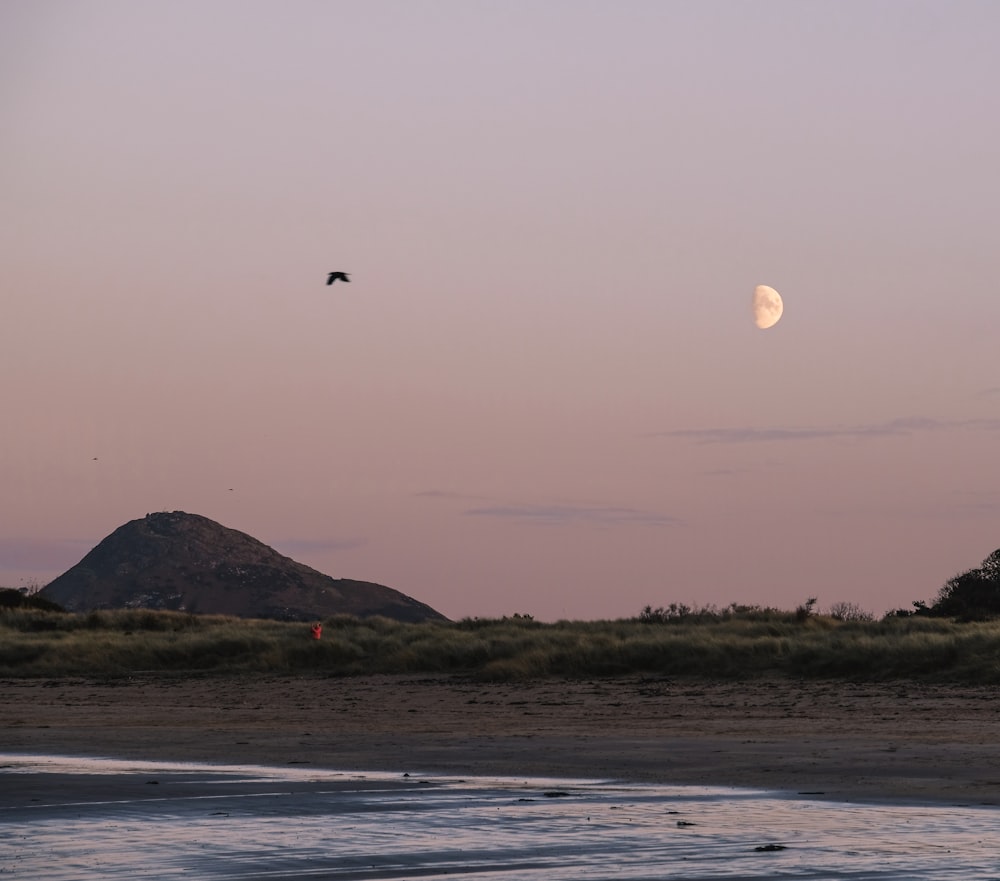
973, 595
850, 612
11, 598
673, 612
803, 612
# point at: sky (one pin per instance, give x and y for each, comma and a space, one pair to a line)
542, 391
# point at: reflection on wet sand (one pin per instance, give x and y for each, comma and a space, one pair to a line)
63, 819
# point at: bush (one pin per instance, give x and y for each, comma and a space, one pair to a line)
973, 595
850, 612
11, 598
803, 612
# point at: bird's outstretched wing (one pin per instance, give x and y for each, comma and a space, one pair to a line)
337, 276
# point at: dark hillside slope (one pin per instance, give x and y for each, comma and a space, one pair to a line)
185, 562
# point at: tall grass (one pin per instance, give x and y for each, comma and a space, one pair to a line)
37, 643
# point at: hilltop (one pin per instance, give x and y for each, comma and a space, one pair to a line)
185, 562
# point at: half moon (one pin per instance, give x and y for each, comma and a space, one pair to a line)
767, 306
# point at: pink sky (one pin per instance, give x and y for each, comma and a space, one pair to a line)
543, 391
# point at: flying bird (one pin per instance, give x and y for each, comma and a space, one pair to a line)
337, 276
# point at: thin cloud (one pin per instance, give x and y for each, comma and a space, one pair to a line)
563, 514
902, 427
983, 424
293, 546
445, 494
982, 506
42, 556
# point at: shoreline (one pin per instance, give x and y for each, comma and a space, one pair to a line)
834, 740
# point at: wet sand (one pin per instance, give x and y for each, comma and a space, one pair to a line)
77, 819
846, 741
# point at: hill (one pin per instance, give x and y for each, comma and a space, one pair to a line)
186, 562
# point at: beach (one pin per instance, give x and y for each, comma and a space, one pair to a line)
835, 740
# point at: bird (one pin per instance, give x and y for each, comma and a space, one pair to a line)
337, 276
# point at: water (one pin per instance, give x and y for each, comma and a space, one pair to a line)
73, 820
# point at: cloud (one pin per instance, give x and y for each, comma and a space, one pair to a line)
294, 546
903, 427
600, 514
42, 556
445, 494
983, 424
977, 503
550, 514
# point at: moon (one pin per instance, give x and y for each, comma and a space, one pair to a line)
767, 306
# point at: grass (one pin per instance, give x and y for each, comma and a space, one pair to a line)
738, 644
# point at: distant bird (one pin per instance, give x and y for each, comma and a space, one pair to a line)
337, 276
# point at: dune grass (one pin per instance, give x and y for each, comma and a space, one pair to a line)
37, 643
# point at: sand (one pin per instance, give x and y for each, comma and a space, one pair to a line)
846, 741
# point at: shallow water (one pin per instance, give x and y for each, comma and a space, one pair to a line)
74, 819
